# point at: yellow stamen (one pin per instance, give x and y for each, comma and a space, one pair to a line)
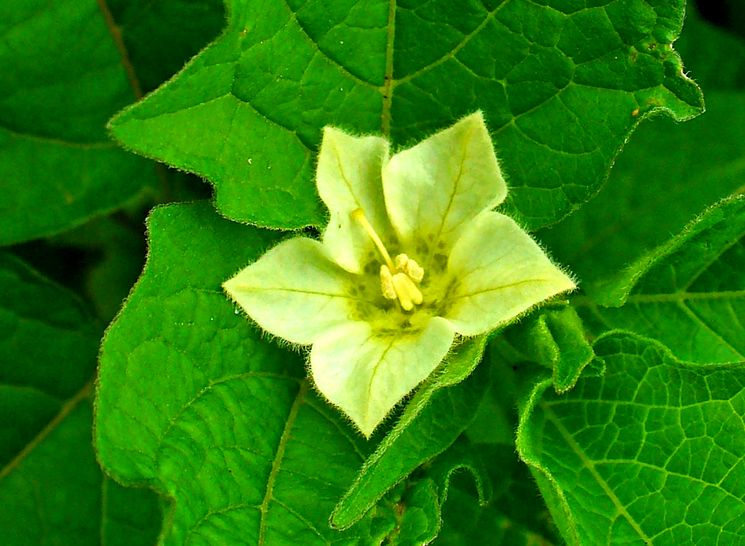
397, 280
386, 283
410, 267
407, 292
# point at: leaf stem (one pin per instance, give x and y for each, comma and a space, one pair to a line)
134, 83
116, 35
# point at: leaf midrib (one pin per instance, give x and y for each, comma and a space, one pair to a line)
385, 115
670, 297
49, 140
682, 296
278, 457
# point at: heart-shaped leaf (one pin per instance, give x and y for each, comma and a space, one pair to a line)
561, 86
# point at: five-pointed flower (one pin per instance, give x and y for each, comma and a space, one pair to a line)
412, 256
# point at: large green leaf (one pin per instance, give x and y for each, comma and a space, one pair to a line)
51, 489
561, 85
48, 345
689, 293
192, 401
652, 452
62, 78
686, 291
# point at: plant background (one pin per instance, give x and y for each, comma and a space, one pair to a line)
667, 468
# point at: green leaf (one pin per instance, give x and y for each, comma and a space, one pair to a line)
51, 489
554, 338
668, 173
688, 293
462, 457
57, 165
48, 348
649, 453
247, 113
665, 176
430, 485
193, 402
54, 492
436, 415
420, 509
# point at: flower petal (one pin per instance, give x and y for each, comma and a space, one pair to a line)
366, 374
294, 291
433, 189
500, 273
348, 178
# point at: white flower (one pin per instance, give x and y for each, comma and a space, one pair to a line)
412, 256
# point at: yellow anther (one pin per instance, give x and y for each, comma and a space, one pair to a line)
410, 267
407, 292
386, 283
397, 280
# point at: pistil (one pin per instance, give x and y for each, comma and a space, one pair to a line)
358, 215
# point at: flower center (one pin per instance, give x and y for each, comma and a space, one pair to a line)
400, 277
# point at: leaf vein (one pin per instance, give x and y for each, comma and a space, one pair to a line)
489, 15
325, 55
621, 509
64, 411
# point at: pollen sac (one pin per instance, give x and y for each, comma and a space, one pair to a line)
386, 283
410, 267
399, 286
407, 292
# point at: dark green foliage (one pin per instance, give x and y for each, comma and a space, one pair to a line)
150, 411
